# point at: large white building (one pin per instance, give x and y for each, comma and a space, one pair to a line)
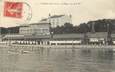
43, 27
35, 29
57, 20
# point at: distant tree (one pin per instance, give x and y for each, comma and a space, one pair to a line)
57, 30
83, 28
13, 30
101, 25
68, 28
3, 30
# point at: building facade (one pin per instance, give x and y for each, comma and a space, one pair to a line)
57, 20
35, 29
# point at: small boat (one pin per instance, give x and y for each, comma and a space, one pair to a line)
24, 52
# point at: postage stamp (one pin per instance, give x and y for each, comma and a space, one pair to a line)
13, 9
19, 10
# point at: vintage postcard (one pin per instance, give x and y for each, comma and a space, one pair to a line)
57, 36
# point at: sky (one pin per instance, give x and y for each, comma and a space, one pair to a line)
81, 10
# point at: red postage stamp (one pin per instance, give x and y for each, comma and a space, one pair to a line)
13, 9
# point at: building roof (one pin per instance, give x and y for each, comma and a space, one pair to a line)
56, 16
37, 36
13, 36
68, 36
41, 23
97, 35
45, 19
113, 35
24, 25
26, 37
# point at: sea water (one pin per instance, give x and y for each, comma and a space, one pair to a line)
58, 60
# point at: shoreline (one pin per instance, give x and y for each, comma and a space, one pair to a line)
62, 46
